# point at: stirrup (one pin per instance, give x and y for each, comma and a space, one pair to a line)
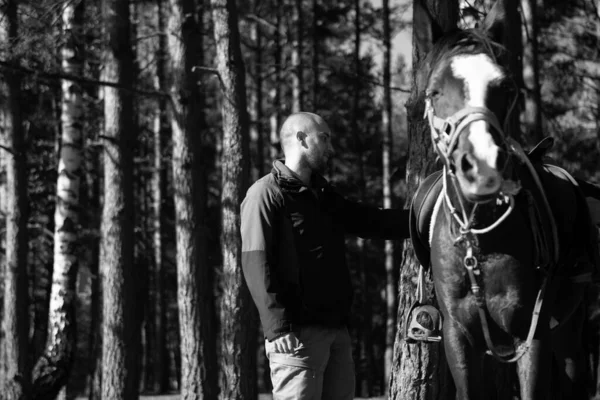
415, 331
426, 314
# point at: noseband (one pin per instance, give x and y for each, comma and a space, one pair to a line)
446, 132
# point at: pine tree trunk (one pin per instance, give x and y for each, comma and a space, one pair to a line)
297, 53
275, 93
531, 72
512, 41
256, 109
93, 248
386, 132
316, 40
239, 325
199, 378
418, 370
52, 369
4, 114
120, 333
364, 376
15, 322
3, 212
161, 131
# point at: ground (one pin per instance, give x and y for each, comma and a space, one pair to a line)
260, 397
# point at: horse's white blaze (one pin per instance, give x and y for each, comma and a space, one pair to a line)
477, 72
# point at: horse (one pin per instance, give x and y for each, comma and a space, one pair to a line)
509, 242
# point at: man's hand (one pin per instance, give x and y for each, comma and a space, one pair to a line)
286, 343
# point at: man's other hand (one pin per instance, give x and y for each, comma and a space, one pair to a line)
286, 343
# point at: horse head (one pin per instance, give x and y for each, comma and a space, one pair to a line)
467, 96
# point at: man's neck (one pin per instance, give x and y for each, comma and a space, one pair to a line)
300, 169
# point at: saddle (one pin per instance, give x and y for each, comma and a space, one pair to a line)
568, 199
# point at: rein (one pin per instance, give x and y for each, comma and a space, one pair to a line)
445, 134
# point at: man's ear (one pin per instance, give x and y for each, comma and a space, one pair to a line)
301, 136
494, 23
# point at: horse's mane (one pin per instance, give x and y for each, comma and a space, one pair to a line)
468, 41
459, 41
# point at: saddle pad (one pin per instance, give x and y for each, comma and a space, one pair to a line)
421, 209
577, 234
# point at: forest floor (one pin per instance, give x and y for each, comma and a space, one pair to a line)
263, 396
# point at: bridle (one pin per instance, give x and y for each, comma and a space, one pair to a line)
445, 134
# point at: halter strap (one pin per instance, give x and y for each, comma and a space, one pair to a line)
446, 132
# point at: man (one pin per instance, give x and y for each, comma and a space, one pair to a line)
293, 227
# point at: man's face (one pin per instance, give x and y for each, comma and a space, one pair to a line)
319, 149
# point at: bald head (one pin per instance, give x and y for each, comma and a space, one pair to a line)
304, 122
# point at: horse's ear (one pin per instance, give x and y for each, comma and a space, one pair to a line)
495, 20
426, 28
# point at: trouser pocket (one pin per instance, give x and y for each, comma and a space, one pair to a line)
292, 378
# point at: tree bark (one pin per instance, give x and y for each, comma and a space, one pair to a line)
239, 324
15, 324
364, 376
275, 93
418, 370
386, 132
199, 378
256, 109
512, 40
120, 333
161, 131
316, 40
53, 367
93, 256
297, 53
531, 72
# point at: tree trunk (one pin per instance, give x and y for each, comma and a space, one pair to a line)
512, 41
4, 114
364, 376
316, 40
256, 109
531, 72
120, 331
199, 378
52, 369
239, 324
15, 322
275, 93
297, 53
418, 370
387, 145
93, 256
157, 317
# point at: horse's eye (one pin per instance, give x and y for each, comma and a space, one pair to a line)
433, 93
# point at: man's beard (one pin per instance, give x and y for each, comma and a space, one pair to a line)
319, 165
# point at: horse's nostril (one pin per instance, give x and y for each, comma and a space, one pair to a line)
465, 164
491, 182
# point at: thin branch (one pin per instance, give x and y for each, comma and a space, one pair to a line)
79, 79
199, 68
262, 21
8, 150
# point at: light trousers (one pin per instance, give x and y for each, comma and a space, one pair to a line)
320, 368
